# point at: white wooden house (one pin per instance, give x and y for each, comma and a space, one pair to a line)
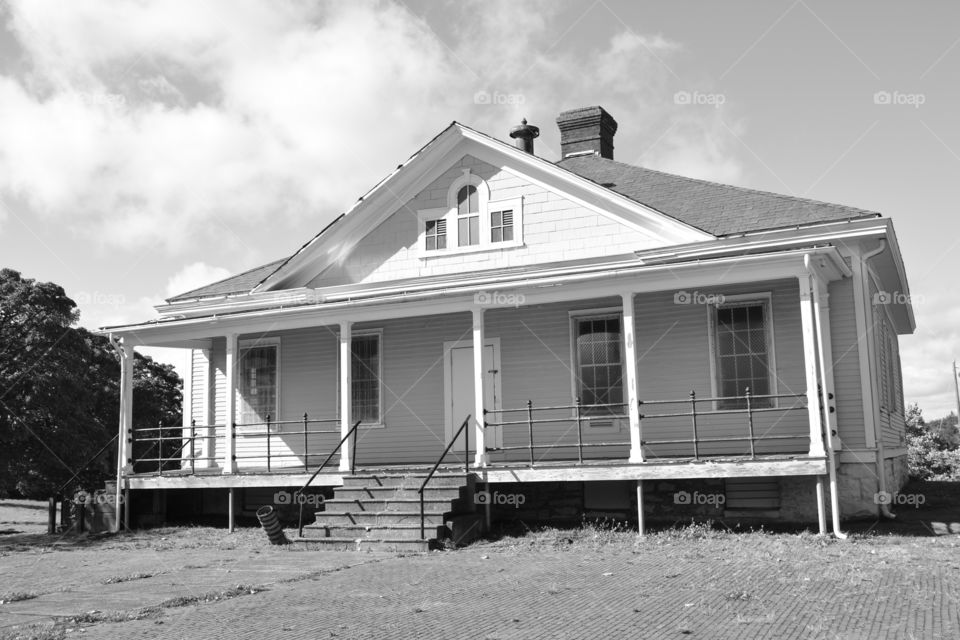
592, 321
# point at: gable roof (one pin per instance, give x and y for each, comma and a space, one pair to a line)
718, 209
713, 208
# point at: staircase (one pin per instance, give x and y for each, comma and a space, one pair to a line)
381, 511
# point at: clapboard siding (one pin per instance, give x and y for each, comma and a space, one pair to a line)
198, 386
673, 351
846, 346
555, 228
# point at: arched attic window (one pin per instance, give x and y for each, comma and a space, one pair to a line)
468, 216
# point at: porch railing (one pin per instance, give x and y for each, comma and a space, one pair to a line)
165, 448
748, 405
531, 417
540, 424
270, 430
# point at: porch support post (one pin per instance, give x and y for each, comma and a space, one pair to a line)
480, 458
346, 414
810, 366
641, 525
231, 519
230, 403
633, 407
821, 316
821, 507
125, 434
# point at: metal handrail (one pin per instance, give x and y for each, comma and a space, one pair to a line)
353, 464
466, 467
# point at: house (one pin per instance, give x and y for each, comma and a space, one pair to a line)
585, 336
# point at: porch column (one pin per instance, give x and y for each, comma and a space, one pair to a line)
346, 413
633, 407
480, 459
810, 366
125, 433
230, 404
821, 317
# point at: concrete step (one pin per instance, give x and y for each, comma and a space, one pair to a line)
381, 493
398, 504
463, 528
393, 532
367, 518
369, 544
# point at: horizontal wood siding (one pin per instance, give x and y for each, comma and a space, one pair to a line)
199, 388
673, 358
846, 346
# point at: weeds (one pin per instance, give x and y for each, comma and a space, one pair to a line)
17, 596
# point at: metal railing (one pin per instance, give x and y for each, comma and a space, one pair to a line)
751, 405
270, 435
172, 461
466, 467
581, 414
353, 465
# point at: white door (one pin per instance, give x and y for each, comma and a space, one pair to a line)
460, 396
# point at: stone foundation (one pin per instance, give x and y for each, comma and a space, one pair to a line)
896, 472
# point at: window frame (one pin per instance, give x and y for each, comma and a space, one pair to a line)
596, 423
764, 298
246, 345
363, 333
486, 207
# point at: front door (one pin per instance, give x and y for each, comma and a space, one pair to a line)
460, 393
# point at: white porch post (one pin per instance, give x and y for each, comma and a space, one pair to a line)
821, 316
208, 445
480, 459
125, 433
346, 414
230, 404
633, 407
810, 366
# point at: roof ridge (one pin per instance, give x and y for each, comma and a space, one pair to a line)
728, 186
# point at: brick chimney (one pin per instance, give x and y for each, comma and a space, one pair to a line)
586, 129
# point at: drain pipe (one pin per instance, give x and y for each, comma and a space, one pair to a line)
881, 471
828, 430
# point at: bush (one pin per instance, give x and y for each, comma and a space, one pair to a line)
929, 459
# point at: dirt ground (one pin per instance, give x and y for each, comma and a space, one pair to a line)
888, 580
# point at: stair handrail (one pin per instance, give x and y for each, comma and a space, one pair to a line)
353, 463
466, 467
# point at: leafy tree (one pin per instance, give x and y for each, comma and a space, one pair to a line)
932, 452
59, 391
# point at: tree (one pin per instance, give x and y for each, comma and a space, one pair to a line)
932, 452
59, 391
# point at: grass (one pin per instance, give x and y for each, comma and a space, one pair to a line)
17, 596
127, 578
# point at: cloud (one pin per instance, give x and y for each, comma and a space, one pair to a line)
926, 356
194, 276
169, 124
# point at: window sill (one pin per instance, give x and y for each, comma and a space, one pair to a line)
479, 248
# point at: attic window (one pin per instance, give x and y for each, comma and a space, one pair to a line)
470, 221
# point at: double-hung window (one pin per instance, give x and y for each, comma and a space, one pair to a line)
598, 351
742, 351
468, 216
365, 373
258, 368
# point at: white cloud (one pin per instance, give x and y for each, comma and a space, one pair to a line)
168, 124
194, 276
926, 356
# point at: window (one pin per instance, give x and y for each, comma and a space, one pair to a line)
468, 216
436, 234
501, 226
365, 374
259, 381
886, 362
470, 221
742, 350
599, 363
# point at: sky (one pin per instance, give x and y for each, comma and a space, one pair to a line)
150, 147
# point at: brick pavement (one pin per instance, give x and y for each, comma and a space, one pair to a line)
710, 588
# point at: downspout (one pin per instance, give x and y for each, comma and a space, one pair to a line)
882, 472
121, 443
827, 432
